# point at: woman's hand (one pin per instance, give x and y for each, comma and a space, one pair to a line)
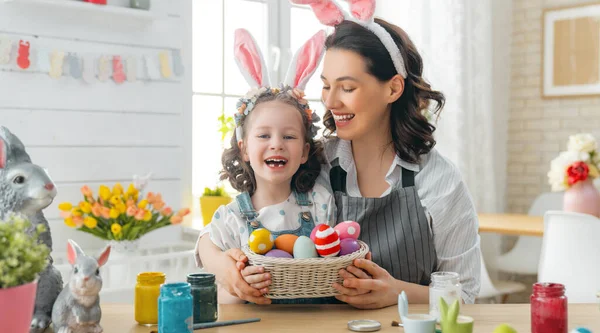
368, 286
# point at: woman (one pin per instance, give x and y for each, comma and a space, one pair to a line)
414, 209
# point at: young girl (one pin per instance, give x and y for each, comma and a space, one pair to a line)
273, 162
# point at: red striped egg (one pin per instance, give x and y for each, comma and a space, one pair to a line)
327, 241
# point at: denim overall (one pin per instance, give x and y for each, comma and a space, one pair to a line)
305, 220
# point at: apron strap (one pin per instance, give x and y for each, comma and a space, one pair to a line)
337, 177
408, 178
246, 208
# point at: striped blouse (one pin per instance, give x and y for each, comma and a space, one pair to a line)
447, 202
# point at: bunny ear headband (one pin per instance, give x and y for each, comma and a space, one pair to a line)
331, 14
252, 65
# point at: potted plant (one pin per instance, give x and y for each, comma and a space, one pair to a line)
22, 259
210, 201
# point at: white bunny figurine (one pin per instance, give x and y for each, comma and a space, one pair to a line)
26, 189
77, 308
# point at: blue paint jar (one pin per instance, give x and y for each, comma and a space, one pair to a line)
175, 308
204, 293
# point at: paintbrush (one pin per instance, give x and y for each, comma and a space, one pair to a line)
224, 323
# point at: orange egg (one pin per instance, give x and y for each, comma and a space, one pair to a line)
286, 243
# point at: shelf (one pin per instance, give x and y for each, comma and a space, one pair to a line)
73, 5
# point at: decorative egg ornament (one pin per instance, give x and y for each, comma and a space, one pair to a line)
348, 229
260, 241
327, 241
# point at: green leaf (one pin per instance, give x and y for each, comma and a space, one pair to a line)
22, 256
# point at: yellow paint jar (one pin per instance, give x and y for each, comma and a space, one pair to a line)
147, 290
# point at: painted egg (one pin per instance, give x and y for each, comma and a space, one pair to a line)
314, 231
304, 248
275, 253
286, 243
327, 241
348, 229
260, 241
348, 245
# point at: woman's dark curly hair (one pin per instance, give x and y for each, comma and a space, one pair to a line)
240, 173
412, 134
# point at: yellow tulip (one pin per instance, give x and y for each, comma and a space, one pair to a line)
118, 189
85, 207
114, 213
121, 207
147, 216
104, 192
65, 206
114, 200
76, 212
115, 228
69, 222
131, 190
143, 204
90, 222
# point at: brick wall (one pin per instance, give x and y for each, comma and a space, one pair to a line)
538, 128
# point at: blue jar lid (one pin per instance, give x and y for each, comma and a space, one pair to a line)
175, 288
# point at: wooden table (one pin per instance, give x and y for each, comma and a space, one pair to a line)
512, 224
334, 318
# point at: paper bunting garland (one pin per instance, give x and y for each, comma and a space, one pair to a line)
161, 65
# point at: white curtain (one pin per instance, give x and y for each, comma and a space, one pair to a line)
456, 40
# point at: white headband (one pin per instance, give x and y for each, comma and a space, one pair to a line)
331, 14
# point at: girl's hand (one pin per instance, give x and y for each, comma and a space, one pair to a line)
235, 283
256, 277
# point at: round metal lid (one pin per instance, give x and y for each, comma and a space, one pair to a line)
364, 325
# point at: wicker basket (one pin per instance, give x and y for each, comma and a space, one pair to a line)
304, 278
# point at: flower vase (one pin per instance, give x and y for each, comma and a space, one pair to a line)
123, 270
582, 197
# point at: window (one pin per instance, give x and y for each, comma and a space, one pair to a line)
279, 27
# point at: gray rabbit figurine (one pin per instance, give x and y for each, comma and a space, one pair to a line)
77, 308
26, 189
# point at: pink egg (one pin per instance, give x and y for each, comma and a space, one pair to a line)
348, 229
348, 245
314, 231
278, 254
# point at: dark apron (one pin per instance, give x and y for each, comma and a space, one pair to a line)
395, 226
307, 224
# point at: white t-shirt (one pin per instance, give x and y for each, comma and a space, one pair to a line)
228, 229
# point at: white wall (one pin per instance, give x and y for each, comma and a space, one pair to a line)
101, 133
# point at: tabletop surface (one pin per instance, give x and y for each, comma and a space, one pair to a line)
512, 224
119, 318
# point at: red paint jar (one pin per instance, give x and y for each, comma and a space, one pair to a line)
549, 308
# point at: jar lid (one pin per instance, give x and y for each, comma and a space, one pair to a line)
201, 278
364, 325
157, 277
